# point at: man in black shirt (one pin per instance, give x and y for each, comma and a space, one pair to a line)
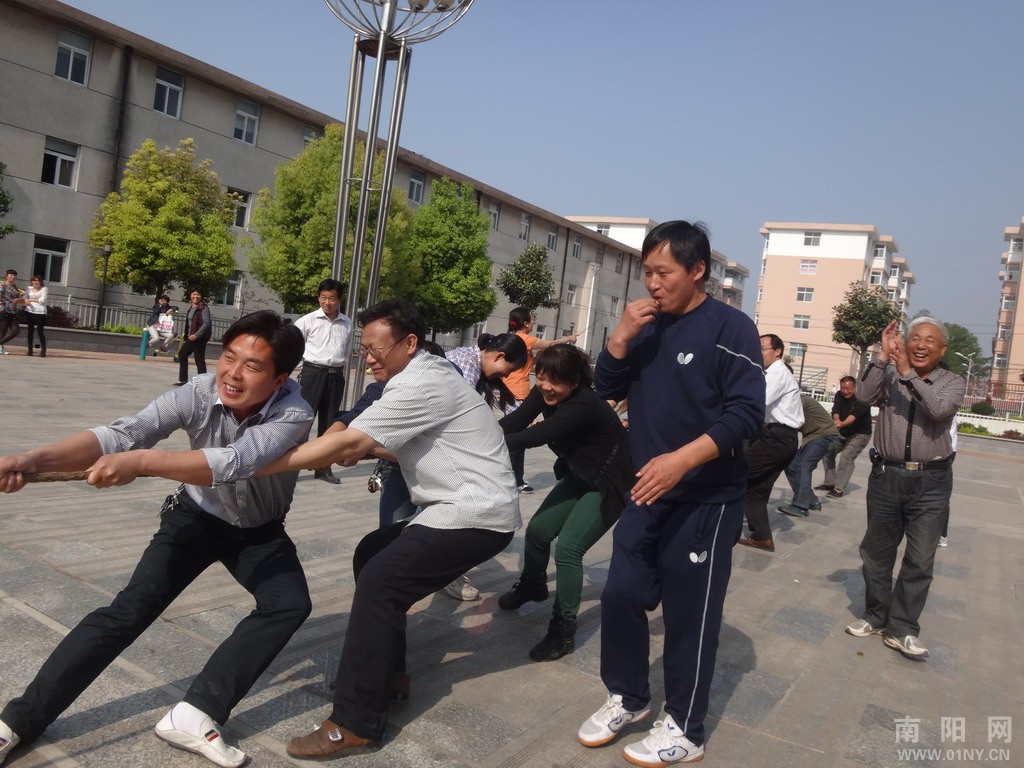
853, 420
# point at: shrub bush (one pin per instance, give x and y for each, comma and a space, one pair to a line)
1013, 434
970, 429
56, 317
982, 408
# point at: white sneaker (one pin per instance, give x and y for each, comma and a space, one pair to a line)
605, 724
210, 745
665, 745
8, 740
909, 646
461, 589
943, 542
861, 628
3, 351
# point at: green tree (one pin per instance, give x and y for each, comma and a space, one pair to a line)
449, 240
296, 223
6, 204
861, 318
170, 223
527, 281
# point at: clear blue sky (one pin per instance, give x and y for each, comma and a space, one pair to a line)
906, 115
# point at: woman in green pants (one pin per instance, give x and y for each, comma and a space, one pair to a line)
594, 472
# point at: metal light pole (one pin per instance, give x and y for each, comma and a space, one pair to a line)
384, 30
107, 250
970, 365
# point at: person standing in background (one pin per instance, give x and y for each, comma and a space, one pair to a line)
10, 297
520, 322
853, 420
198, 330
328, 336
35, 309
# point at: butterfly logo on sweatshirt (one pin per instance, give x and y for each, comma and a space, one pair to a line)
684, 358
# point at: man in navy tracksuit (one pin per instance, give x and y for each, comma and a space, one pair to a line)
691, 368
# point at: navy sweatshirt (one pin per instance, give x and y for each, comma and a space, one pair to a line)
687, 375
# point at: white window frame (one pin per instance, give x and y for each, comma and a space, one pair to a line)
247, 121
78, 49
232, 291
241, 207
797, 349
599, 255
760, 293
804, 294
615, 306
494, 211
166, 91
525, 222
553, 237
604, 229
894, 270
875, 278
570, 295
49, 254
539, 331
620, 258
63, 157
999, 362
577, 247
417, 183
803, 322
1017, 245
808, 266
1008, 304
880, 251
812, 239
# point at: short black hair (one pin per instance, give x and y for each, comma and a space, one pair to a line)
12, 272
565, 364
775, 341
400, 314
330, 284
284, 338
848, 379
688, 243
519, 317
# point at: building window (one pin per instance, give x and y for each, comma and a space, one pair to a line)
637, 263
765, 246
801, 321
604, 229
808, 266
73, 53
876, 278
1017, 245
893, 295
553, 237
619, 259
229, 298
599, 256
805, 294
570, 295
167, 96
241, 200
999, 361
247, 118
812, 238
577, 247
1003, 332
48, 258
1009, 303
615, 306
757, 317
539, 331
796, 349
494, 209
764, 266
760, 293
525, 220
59, 160
894, 271
310, 134
417, 180
879, 251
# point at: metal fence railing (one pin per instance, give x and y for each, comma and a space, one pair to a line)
123, 316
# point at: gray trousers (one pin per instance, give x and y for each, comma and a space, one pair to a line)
838, 474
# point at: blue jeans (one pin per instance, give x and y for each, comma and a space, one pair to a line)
901, 502
799, 470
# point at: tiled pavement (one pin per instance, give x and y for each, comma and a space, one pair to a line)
791, 689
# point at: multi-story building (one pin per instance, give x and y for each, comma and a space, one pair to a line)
806, 269
1007, 377
80, 95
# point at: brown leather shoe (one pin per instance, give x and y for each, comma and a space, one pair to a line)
329, 740
765, 544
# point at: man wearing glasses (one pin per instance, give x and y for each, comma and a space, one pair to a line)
452, 455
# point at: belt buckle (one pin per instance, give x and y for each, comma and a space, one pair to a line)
913, 465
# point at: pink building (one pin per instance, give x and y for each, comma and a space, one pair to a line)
1007, 346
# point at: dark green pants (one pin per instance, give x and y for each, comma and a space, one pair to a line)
571, 512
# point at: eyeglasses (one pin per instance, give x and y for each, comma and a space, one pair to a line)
378, 353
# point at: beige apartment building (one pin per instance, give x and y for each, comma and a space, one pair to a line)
79, 95
1007, 379
806, 269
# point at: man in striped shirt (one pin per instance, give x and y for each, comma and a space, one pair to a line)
238, 420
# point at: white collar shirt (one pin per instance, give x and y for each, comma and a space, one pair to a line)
328, 342
782, 397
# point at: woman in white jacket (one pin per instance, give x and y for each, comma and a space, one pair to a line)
35, 311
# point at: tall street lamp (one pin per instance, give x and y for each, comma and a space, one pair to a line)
970, 365
107, 250
384, 30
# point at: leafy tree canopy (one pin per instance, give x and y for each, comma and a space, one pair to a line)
6, 204
170, 223
296, 224
449, 240
861, 318
527, 281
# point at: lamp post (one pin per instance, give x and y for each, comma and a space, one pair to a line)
107, 250
384, 30
970, 366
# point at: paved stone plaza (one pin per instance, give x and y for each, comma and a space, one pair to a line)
791, 688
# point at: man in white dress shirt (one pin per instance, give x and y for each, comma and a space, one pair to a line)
328, 336
775, 445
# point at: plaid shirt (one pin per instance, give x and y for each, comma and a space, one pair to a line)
8, 294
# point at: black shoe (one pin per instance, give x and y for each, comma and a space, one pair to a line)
560, 640
824, 487
327, 476
835, 493
180, 383
43, 353
523, 592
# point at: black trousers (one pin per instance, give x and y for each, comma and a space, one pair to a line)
9, 327
323, 391
262, 560
770, 452
195, 348
36, 322
395, 568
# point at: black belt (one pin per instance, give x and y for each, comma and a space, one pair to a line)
328, 368
877, 458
